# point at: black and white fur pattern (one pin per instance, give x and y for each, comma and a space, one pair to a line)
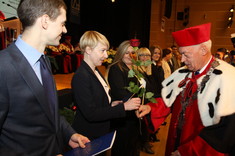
215, 100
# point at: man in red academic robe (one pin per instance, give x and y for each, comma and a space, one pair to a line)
201, 98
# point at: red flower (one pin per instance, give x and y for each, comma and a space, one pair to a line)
74, 108
135, 42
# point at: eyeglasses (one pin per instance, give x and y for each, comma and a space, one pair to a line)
130, 52
142, 55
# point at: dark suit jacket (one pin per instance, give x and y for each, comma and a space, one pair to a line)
27, 126
94, 111
118, 81
156, 79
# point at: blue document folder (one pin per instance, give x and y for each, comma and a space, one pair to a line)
94, 147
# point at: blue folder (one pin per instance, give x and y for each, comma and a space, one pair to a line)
94, 147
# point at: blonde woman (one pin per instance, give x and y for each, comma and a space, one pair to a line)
127, 140
91, 91
143, 54
157, 70
154, 77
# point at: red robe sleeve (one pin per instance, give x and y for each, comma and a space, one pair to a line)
159, 112
198, 147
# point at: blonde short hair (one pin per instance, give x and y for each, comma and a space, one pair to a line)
143, 51
91, 39
145, 69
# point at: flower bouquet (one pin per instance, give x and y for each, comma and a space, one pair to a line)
111, 53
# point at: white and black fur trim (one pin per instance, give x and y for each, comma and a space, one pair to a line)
215, 100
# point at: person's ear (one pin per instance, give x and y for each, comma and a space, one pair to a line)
45, 21
88, 50
204, 49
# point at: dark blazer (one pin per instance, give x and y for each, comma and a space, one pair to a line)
128, 128
156, 79
118, 81
94, 111
27, 126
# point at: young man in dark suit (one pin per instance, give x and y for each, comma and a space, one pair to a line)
29, 118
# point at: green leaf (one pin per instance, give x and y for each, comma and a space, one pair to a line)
131, 73
133, 87
141, 93
149, 95
136, 89
138, 63
148, 62
153, 100
131, 84
133, 61
139, 75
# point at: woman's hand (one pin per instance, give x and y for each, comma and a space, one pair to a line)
115, 103
132, 104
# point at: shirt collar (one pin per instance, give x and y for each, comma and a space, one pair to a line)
31, 54
201, 70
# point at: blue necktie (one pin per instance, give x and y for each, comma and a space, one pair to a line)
196, 73
48, 84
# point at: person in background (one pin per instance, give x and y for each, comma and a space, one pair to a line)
170, 62
77, 48
220, 53
71, 53
69, 57
66, 45
158, 74
153, 84
201, 98
29, 118
178, 59
54, 65
166, 57
78, 54
174, 59
127, 140
91, 92
143, 54
232, 54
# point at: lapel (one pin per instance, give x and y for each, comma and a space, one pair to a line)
23, 67
89, 70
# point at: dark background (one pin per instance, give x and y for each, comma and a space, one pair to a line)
118, 21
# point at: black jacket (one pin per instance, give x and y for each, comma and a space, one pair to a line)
94, 110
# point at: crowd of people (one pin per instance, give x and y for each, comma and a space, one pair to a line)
65, 58
226, 55
188, 82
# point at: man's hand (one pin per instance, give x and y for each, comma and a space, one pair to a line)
78, 140
143, 110
176, 153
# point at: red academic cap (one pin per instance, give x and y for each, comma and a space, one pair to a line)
193, 35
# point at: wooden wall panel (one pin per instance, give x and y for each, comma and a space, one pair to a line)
201, 11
